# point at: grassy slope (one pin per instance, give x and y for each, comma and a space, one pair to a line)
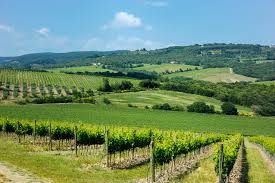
125, 116
64, 168
164, 67
266, 83
257, 167
151, 97
80, 69
61, 79
213, 75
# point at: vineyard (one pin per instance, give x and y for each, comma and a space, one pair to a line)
21, 77
12, 91
166, 155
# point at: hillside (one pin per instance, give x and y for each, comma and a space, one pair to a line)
213, 75
164, 68
60, 79
243, 58
152, 97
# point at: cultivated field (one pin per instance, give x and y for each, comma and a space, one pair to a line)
151, 97
80, 69
60, 79
56, 151
125, 116
165, 67
213, 75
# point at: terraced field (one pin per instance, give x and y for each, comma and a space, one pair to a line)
151, 97
60, 79
213, 75
165, 67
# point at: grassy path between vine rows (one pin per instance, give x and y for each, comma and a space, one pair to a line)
204, 173
57, 168
258, 167
8, 173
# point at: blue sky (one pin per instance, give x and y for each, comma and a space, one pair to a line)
29, 26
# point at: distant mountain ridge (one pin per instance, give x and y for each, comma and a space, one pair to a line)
49, 58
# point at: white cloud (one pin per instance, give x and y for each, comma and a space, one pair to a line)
43, 31
156, 3
6, 28
124, 20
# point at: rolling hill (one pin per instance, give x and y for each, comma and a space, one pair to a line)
213, 75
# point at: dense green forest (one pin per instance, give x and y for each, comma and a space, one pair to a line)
246, 59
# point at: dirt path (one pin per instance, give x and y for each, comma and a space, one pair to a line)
11, 174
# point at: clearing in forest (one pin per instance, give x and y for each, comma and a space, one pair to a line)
213, 75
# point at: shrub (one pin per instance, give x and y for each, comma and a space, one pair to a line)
106, 87
201, 107
146, 107
90, 93
126, 85
52, 99
177, 108
229, 109
164, 106
106, 101
149, 84
266, 110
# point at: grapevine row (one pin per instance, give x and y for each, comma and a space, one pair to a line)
230, 154
168, 149
267, 142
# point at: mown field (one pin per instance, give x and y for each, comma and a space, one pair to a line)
91, 68
164, 67
213, 75
125, 116
60, 79
151, 97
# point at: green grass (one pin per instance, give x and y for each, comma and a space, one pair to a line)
91, 68
64, 168
204, 173
125, 116
60, 79
268, 83
151, 97
258, 170
164, 67
213, 75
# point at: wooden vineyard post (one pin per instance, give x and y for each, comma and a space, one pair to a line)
18, 133
107, 146
34, 132
152, 160
50, 135
75, 140
175, 144
221, 164
133, 149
